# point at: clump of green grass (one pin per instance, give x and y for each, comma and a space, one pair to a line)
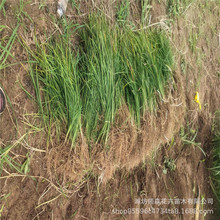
216, 164
123, 10
2, 6
177, 7
6, 45
215, 168
145, 11
122, 66
77, 5
56, 76
113, 65
101, 77
169, 165
6, 42
8, 159
146, 59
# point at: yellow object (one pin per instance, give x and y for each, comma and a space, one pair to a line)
197, 100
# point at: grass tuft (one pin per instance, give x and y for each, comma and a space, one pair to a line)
123, 10
215, 169
6, 45
56, 76
101, 77
113, 65
177, 7
146, 60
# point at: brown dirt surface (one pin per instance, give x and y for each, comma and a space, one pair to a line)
159, 161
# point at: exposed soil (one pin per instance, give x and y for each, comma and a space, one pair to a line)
79, 184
